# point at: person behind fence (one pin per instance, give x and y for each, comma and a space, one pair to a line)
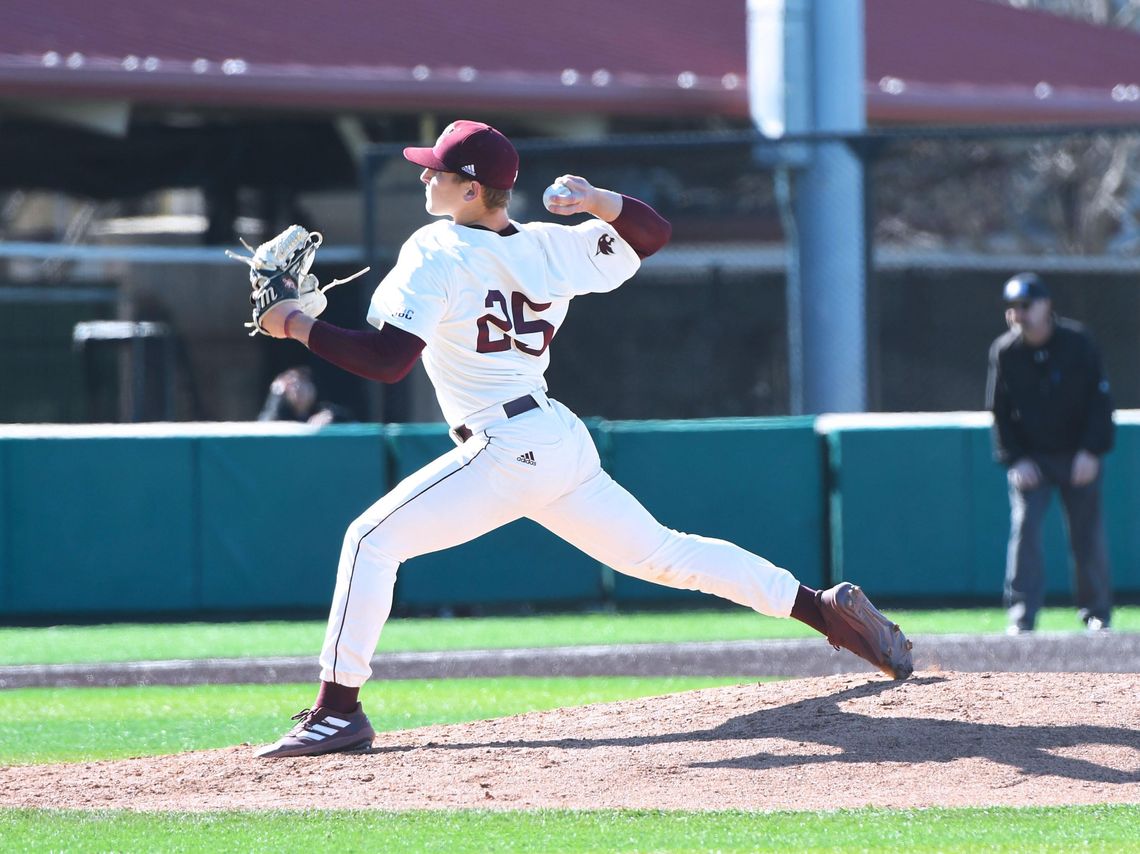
1053, 425
293, 397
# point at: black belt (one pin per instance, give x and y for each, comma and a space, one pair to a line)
511, 408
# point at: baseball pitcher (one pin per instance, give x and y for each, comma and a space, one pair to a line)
480, 297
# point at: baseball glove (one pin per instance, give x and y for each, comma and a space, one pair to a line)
279, 271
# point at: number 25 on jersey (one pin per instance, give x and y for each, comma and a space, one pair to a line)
512, 320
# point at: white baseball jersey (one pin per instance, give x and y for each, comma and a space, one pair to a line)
488, 306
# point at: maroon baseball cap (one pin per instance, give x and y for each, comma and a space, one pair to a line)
472, 149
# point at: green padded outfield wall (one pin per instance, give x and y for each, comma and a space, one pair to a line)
124, 523
97, 525
755, 482
906, 518
98, 521
920, 511
275, 509
6, 576
1122, 504
191, 519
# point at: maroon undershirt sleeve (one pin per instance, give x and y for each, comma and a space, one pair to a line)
385, 355
641, 227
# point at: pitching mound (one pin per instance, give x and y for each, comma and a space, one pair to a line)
940, 739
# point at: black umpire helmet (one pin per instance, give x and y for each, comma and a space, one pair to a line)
1025, 287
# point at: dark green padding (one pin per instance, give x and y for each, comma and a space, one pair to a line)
183, 523
1122, 508
274, 512
906, 515
922, 512
98, 525
755, 482
5, 536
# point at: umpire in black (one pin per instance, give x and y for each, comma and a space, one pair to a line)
1052, 426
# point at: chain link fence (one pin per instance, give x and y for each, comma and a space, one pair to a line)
954, 216
701, 331
949, 215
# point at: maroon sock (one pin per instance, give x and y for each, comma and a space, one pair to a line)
807, 611
339, 698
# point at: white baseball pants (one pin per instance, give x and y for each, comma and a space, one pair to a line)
484, 484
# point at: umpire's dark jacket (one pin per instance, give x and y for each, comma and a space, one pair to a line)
1048, 399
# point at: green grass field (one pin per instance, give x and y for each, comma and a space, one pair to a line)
1100, 828
82, 724
132, 642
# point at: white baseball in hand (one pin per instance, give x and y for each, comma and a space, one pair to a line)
555, 191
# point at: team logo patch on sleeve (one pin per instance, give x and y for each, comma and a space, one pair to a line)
605, 245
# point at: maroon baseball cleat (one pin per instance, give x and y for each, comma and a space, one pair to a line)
854, 624
320, 731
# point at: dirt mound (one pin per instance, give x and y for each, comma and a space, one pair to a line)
939, 739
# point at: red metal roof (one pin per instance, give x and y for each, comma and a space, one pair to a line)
979, 62
927, 60
642, 57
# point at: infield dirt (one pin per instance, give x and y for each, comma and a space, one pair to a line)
938, 739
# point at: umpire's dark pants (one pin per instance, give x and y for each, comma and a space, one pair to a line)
1025, 559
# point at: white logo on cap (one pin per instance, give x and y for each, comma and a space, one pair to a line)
470, 170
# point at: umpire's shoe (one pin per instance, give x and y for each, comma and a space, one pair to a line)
322, 730
853, 623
